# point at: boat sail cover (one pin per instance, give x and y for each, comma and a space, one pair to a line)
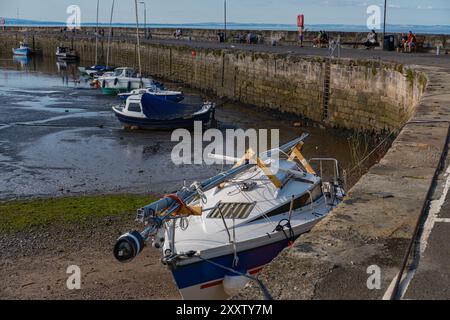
157, 108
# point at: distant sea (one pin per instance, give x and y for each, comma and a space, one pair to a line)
392, 28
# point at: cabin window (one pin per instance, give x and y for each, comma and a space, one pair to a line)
134, 107
299, 202
232, 210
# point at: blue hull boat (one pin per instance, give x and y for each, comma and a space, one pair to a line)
215, 234
209, 275
23, 51
148, 111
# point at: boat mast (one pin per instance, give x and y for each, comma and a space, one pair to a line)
137, 38
110, 33
96, 36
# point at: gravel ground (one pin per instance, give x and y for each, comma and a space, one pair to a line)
34, 265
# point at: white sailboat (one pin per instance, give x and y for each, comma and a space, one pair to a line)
125, 79
214, 235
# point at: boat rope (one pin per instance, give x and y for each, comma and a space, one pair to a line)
311, 200
371, 152
281, 227
184, 223
235, 258
180, 202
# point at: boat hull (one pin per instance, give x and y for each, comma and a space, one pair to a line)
157, 124
21, 52
122, 85
113, 91
204, 281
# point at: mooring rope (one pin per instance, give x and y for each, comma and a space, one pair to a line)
370, 153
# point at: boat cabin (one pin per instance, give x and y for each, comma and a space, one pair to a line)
133, 106
124, 73
23, 45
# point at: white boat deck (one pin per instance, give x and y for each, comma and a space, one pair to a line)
209, 234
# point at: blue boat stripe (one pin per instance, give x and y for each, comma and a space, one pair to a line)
202, 272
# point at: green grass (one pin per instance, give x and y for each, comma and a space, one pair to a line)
23, 215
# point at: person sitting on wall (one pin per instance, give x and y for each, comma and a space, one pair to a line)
411, 42
402, 42
241, 38
221, 36
321, 39
249, 38
372, 40
178, 33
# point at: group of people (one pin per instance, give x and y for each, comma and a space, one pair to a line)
321, 39
249, 38
407, 43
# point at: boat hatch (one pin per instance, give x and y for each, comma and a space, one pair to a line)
232, 210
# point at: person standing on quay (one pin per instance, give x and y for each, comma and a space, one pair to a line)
301, 35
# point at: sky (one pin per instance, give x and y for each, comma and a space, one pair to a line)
350, 12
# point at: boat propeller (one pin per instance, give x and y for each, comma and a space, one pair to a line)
128, 246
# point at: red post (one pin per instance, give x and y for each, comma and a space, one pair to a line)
301, 25
301, 20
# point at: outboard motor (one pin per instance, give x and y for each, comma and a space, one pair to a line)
128, 246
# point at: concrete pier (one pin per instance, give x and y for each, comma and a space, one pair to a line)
373, 91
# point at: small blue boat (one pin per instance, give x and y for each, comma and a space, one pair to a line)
148, 111
22, 50
174, 96
22, 60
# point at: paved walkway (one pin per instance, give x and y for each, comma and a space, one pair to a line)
428, 59
430, 277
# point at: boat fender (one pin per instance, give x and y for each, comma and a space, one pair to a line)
116, 81
103, 83
128, 246
232, 284
129, 86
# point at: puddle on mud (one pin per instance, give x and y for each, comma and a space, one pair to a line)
59, 136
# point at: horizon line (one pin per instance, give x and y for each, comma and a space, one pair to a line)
215, 23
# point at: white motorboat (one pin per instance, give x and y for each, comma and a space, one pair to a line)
66, 53
122, 80
157, 91
214, 235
